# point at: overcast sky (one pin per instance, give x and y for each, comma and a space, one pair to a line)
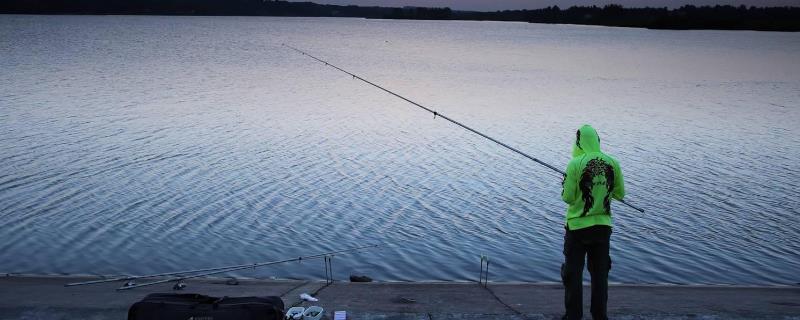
491, 5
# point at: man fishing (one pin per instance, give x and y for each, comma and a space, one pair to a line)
592, 179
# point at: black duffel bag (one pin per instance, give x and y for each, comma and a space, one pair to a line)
170, 306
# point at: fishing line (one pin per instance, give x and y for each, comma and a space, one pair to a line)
451, 120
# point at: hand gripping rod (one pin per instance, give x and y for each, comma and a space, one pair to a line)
435, 114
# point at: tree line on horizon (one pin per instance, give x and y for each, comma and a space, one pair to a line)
686, 17
723, 17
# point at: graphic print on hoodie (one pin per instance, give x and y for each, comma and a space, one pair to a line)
593, 179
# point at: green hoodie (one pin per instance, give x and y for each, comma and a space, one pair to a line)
592, 179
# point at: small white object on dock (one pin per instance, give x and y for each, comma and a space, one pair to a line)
308, 297
340, 315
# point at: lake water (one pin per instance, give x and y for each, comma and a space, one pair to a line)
135, 145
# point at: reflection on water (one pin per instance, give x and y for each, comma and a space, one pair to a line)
142, 144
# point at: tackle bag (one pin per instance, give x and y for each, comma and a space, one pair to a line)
171, 306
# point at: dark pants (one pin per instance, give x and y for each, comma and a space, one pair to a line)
594, 242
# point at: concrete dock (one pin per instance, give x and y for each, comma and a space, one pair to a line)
40, 297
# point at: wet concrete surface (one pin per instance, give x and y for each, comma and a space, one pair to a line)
40, 297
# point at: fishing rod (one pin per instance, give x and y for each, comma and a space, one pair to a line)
128, 278
241, 267
437, 114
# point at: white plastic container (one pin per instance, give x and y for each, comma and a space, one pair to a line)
295, 313
340, 315
313, 313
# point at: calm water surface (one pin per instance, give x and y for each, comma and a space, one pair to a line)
135, 145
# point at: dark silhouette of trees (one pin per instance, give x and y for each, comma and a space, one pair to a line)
419, 13
686, 17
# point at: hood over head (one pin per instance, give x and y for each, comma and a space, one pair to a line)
586, 140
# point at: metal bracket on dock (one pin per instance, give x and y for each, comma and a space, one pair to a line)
328, 269
483, 278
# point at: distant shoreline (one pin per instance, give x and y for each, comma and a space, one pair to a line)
454, 20
683, 18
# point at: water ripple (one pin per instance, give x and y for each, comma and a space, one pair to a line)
160, 153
